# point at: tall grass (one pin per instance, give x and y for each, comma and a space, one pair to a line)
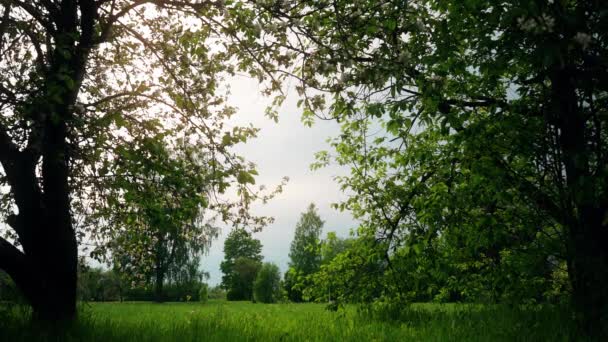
241, 321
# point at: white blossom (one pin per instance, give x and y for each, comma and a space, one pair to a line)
583, 39
527, 25
544, 23
548, 21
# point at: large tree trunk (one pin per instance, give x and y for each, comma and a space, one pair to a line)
56, 299
585, 214
45, 270
588, 269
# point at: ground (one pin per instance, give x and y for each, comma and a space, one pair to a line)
244, 321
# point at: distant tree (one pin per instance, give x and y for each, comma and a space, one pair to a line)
97, 284
332, 246
244, 273
267, 285
238, 281
217, 292
203, 293
305, 251
187, 271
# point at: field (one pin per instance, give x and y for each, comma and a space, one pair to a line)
244, 321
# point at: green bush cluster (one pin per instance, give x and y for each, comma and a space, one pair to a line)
267, 285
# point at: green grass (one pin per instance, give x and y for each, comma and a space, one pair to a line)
243, 321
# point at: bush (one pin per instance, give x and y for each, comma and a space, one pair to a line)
217, 292
203, 293
266, 288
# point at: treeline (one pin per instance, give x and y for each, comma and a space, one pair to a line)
96, 284
99, 285
247, 278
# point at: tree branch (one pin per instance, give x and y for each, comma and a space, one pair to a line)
11, 258
33, 12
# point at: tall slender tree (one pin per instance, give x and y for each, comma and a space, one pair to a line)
305, 251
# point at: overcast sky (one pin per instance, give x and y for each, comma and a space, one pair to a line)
283, 149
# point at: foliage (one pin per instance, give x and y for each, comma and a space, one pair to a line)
333, 245
152, 226
96, 284
267, 285
217, 293
203, 293
475, 128
358, 274
242, 259
173, 292
304, 252
244, 273
294, 283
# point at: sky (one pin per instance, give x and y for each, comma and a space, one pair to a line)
283, 149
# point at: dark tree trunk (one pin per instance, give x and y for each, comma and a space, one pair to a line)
45, 270
585, 214
588, 270
56, 291
158, 286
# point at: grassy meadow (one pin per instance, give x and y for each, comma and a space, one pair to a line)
245, 321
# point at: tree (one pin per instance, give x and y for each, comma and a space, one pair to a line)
304, 252
244, 272
80, 79
356, 275
242, 259
266, 288
152, 221
96, 284
515, 93
333, 245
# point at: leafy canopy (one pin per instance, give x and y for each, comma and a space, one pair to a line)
267, 285
242, 260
